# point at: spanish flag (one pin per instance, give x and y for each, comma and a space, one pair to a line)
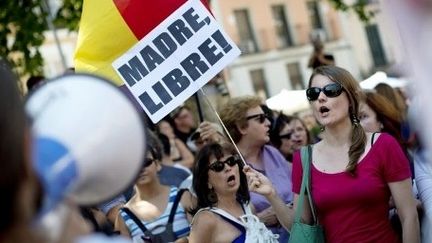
109, 28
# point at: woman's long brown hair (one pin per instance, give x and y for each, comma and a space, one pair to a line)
354, 94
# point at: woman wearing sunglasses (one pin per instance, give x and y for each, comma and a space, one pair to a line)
249, 128
280, 135
289, 134
351, 181
218, 184
145, 216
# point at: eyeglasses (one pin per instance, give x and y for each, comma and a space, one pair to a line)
148, 162
218, 166
286, 136
261, 117
330, 90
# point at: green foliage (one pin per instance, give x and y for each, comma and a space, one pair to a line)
22, 23
359, 8
69, 14
22, 26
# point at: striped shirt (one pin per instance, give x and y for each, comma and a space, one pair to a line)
156, 226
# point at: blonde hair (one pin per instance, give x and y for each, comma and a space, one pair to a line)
233, 114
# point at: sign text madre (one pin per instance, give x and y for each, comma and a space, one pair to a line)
175, 59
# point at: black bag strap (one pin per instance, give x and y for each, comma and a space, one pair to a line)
373, 138
136, 220
170, 219
175, 205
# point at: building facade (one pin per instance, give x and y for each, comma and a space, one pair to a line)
275, 39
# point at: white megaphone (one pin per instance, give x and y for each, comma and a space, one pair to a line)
89, 139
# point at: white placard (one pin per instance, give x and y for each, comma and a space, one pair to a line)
175, 59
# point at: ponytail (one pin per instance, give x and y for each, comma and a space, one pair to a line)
357, 148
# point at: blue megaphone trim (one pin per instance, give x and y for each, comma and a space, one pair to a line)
57, 170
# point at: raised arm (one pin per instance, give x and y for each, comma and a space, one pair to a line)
186, 155
260, 184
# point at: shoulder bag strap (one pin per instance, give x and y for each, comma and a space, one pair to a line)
136, 220
246, 208
225, 214
305, 166
175, 204
308, 186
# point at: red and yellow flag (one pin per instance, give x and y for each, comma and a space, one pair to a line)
108, 28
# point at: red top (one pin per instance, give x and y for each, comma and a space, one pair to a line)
356, 209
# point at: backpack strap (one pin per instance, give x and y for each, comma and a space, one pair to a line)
136, 221
175, 205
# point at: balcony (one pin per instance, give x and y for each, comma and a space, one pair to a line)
266, 39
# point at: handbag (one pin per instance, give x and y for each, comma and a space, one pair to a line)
256, 231
301, 232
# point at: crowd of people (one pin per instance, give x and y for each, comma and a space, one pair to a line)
197, 180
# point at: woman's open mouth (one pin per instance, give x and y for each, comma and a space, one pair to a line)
231, 180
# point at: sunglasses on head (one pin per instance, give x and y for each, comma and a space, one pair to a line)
218, 166
330, 90
286, 136
261, 117
148, 162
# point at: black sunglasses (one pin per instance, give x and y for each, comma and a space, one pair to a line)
148, 162
261, 117
218, 166
286, 136
330, 90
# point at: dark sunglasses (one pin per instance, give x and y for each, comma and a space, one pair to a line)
261, 117
286, 136
330, 90
148, 162
218, 166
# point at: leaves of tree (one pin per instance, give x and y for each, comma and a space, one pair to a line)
358, 7
22, 23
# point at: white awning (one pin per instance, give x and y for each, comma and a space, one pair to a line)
288, 101
381, 77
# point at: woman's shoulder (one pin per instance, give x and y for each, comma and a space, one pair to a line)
382, 139
274, 153
204, 218
270, 149
187, 200
131, 203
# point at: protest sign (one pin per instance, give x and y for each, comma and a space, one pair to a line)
175, 59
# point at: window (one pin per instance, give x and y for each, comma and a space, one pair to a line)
259, 83
247, 40
282, 28
295, 76
376, 46
314, 15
